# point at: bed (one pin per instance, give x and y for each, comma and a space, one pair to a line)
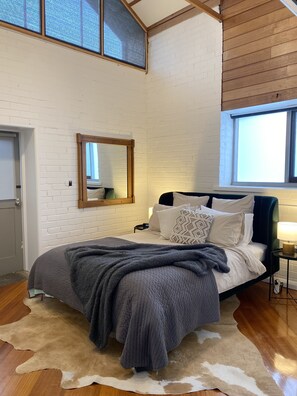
150, 310
266, 217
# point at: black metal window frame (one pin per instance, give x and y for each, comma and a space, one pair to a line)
293, 153
290, 154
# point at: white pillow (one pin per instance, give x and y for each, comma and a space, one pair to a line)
191, 227
248, 229
180, 199
96, 193
245, 204
167, 219
226, 229
154, 224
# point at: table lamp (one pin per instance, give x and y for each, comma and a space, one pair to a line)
287, 233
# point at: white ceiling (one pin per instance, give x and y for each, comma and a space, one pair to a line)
152, 11
157, 12
152, 14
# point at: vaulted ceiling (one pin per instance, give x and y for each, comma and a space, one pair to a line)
157, 15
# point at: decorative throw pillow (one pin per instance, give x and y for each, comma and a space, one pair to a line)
226, 229
180, 199
154, 224
96, 193
167, 219
191, 227
245, 204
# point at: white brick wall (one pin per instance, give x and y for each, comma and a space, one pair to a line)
59, 92
184, 91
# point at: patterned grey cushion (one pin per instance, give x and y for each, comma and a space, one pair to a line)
191, 227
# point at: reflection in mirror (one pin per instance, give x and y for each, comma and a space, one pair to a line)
105, 171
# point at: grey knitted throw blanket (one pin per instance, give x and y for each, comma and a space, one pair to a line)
96, 271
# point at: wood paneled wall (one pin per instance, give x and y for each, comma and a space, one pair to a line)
259, 53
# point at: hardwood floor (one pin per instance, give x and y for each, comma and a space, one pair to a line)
271, 326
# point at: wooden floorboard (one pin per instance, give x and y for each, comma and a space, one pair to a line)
270, 325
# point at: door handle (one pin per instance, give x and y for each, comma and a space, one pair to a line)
17, 202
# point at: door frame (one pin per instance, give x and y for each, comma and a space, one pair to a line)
10, 203
29, 192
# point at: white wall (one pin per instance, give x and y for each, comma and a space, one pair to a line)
184, 96
58, 92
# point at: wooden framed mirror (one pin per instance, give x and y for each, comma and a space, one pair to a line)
105, 171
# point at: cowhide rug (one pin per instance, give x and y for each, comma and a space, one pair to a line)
215, 356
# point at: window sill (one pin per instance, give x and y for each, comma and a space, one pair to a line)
254, 189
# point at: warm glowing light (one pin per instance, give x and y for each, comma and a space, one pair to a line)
284, 365
287, 232
150, 212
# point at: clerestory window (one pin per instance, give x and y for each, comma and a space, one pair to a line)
105, 27
123, 38
74, 21
23, 13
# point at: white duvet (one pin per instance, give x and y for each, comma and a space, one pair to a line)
244, 261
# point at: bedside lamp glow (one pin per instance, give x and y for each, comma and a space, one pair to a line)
287, 233
150, 212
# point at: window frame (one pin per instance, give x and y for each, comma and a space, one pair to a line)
290, 151
293, 151
42, 35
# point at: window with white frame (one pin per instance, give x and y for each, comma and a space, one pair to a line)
92, 162
265, 148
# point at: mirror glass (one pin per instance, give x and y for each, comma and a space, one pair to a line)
105, 170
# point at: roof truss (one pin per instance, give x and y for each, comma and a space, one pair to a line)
203, 7
194, 8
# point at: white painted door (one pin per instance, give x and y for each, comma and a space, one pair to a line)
11, 255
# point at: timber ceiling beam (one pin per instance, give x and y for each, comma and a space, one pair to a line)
132, 3
203, 7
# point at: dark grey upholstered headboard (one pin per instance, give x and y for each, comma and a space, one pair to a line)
265, 225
